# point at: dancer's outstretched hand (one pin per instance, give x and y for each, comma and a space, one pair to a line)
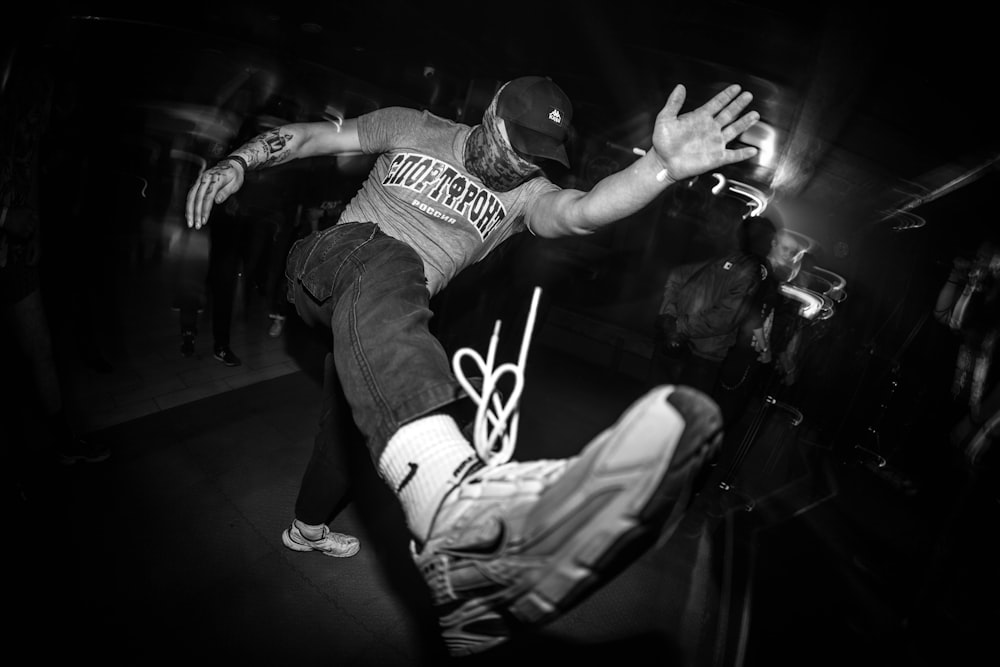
695, 142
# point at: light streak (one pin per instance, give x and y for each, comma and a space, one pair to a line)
813, 306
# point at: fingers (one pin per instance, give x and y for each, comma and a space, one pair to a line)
719, 102
737, 155
194, 208
735, 129
675, 101
726, 106
734, 107
202, 196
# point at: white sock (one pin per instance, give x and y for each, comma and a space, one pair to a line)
310, 531
422, 462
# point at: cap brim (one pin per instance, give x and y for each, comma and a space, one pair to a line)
536, 144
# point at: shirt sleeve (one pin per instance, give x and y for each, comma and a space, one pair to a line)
379, 130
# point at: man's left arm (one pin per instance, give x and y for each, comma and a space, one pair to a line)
684, 145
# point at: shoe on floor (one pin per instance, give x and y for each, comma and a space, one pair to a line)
277, 325
226, 356
329, 543
187, 345
83, 451
522, 543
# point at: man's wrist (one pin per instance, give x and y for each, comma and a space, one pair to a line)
3, 217
662, 173
236, 159
660, 169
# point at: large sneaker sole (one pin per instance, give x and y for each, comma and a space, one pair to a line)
627, 488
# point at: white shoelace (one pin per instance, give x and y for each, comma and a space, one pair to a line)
495, 425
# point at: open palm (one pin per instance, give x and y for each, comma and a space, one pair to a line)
695, 142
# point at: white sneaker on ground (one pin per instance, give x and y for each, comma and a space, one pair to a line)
277, 325
329, 543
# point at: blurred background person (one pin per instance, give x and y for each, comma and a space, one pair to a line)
248, 229
968, 303
25, 107
749, 361
243, 242
706, 307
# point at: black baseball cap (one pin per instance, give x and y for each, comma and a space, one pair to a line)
538, 115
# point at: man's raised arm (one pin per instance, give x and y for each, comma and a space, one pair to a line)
683, 146
276, 146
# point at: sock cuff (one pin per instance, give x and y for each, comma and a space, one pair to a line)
422, 463
427, 439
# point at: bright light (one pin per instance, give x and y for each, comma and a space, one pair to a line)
333, 115
812, 305
834, 283
765, 138
720, 183
755, 198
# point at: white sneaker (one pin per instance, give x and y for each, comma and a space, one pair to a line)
277, 325
520, 543
329, 543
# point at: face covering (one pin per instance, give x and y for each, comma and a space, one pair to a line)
490, 158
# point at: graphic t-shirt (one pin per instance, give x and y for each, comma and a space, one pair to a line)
420, 193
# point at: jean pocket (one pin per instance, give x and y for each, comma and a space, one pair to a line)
321, 259
318, 281
316, 264
296, 256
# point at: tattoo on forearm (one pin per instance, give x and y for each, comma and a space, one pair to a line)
277, 142
265, 149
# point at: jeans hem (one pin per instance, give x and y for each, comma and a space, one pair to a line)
428, 400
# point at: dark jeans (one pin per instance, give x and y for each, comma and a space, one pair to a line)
370, 290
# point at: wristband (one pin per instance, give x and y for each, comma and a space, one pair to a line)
238, 160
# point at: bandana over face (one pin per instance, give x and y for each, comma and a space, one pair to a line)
491, 159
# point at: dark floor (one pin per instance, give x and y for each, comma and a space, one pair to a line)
171, 552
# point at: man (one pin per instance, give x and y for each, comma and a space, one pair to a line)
707, 305
498, 542
748, 359
968, 303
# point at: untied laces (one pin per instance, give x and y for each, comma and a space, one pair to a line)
495, 425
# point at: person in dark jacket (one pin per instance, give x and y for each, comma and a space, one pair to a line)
714, 320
